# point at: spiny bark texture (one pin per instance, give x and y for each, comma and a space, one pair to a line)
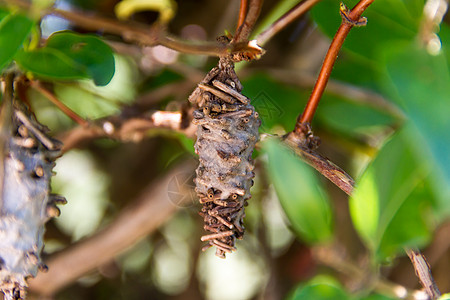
26, 203
226, 136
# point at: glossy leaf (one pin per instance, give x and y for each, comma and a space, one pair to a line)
420, 84
70, 56
388, 21
14, 29
50, 64
87, 50
300, 193
320, 288
391, 205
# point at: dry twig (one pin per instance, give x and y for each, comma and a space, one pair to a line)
423, 272
246, 28
126, 129
285, 20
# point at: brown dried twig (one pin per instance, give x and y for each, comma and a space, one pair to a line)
66, 110
285, 20
423, 272
243, 32
149, 211
126, 129
141, 34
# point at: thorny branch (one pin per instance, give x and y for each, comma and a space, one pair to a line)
423, 272
132, 224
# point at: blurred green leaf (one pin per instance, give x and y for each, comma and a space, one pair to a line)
49, 63
300, 193
14, 29
377, 297
388, 21
70, 56
391, 205
87, 50
320, 288
334, 113
276, 103
84, 103
420, 83
280, 9
3, 12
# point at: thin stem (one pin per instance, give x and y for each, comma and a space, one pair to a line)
242, 13
423, 272
352, 18
65, 109
141, 34
244, 31
285, 20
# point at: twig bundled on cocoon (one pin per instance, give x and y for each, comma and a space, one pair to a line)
26, 202
226, 136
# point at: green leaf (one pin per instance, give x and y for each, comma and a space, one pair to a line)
50, 64
377, 297
392, 203
420, 83
70, 56
276, 103
14, 29
87, 50
320, 288
300, 193
388, 21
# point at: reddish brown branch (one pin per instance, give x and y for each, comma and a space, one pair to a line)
244, 31
423, 272
285, 20
66, 110
350, 19
242, 13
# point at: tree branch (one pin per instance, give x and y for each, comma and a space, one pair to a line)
284, 21
150, 210
242, 13
126, 129
244, 31
423, 272
141, 34
66, 110
349, 19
